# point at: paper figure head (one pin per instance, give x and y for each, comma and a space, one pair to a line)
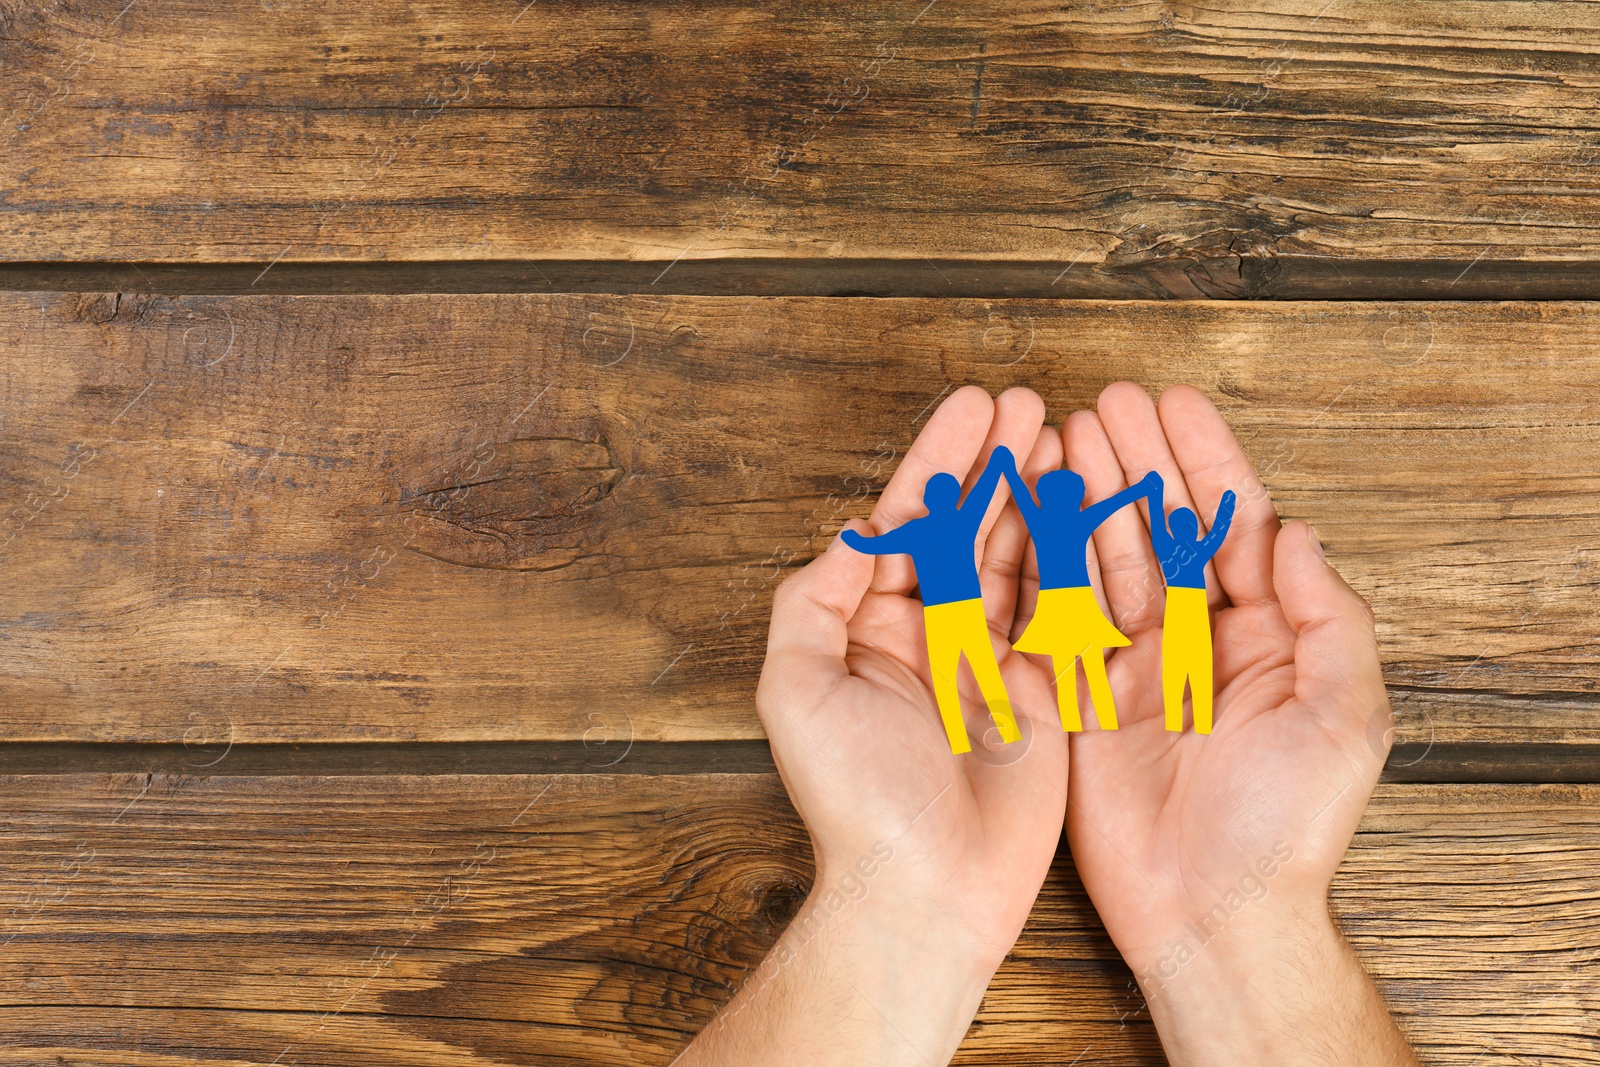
942, 493
1061, 489
1185, 527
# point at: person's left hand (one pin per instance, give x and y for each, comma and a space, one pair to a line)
928, 863
847, 700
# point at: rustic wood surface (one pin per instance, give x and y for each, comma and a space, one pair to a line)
602, 919
561, 517
546, 527
1227, 149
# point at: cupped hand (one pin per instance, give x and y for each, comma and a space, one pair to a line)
1179, 835
956, 846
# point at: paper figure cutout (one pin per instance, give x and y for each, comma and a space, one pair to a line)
941, 547
1068, 624
1186, 626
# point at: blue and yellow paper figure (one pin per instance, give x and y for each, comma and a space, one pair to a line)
941, 546
1186, 627
1068, 624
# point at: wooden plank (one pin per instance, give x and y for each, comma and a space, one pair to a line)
560, 517
1258, 149
174, 920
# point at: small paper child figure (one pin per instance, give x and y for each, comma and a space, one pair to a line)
1068, 624
1186, 627
941, 546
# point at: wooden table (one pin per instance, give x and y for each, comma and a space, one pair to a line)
407, 411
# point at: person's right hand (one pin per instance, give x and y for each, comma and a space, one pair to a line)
1209, 857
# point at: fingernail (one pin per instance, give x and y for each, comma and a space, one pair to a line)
1316, 543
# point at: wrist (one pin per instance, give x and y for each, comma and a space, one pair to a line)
907, 911
854, 980
1280, 986
1221, 997
913, 966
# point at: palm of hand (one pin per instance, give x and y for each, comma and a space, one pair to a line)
987, 821
1160, 811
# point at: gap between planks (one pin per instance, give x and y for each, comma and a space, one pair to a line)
1277, 278
1418, 763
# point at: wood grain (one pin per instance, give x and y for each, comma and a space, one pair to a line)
595, 919
537, 518
1225, 149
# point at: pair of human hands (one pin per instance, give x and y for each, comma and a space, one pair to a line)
1163, 827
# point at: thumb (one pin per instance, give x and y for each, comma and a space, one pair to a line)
809, 633
1336, 648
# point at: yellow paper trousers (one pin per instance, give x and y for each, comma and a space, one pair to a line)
1186, 656
961, 628
1068, 625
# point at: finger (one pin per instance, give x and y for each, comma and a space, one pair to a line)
1019, 420
1129, 575
1212, 463
809, 633
1337, 670
1134, 428
949, 443
1046, 456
